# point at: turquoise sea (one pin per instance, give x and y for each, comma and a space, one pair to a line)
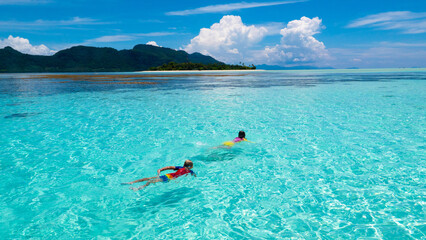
338, 154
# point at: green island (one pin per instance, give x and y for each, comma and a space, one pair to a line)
172, 66
141, 57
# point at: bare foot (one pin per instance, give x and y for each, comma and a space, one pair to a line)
126, 183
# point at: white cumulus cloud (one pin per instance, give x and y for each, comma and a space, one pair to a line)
152, 43
297, 46
229, 40
232, 41
23, 45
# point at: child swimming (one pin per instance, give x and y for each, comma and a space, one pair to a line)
241, 137
180, 171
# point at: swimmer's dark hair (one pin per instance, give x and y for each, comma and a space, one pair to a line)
242, 134
188, 163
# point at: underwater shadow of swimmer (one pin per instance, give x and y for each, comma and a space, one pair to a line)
219, 154
169, 198
21, 115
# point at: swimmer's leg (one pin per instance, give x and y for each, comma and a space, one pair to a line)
222, 147
139, 180
226, 145
157, 179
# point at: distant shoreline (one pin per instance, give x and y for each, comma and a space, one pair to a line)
336, 70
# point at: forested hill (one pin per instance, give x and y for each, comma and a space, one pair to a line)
94, 59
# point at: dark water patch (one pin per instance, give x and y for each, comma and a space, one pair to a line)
13, 104
169, 198
21, 115
178, 194
18, 103
388, 96
219, 155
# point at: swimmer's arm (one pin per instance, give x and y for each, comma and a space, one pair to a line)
248, 141
165, 168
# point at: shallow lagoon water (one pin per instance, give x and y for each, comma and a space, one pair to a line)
337, 155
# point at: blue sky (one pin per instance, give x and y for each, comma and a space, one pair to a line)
341, 34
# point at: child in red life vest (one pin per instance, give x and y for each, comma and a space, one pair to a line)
180, 171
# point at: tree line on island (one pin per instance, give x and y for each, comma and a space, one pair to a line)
94, 59
172, 66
